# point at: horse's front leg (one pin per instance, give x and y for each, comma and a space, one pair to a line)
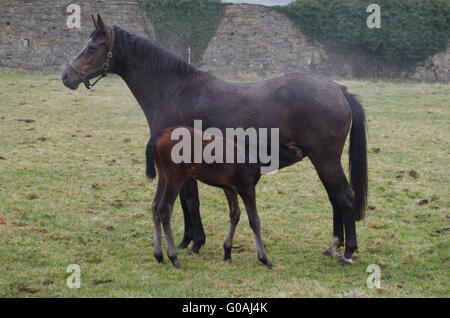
193, 227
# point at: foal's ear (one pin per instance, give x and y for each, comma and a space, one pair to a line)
95, 22
100, 24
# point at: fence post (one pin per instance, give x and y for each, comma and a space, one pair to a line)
446, 66
189, 55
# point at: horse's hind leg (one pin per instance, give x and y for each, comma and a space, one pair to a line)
341, 197
338, 234
235, 214
157, 251
193, 227
165, 210
249, 198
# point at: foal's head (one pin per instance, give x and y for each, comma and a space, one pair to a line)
95, 59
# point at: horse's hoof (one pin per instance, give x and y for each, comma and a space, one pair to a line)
345, 261
184, 244
330, 253
266, 262
193, 252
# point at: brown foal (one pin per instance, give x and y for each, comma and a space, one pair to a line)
233, 178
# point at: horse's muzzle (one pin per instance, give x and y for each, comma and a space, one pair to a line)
69, 79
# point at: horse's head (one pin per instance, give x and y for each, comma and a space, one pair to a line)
94, 59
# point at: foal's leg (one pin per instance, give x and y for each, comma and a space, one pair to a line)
249, 198
157, 251
235, 214
193, 227
341, 197
165, 210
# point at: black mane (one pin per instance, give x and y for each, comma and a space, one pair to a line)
150, 55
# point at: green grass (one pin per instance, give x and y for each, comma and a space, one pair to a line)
73, 191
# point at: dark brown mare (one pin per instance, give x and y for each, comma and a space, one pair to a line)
234, 178
311, 112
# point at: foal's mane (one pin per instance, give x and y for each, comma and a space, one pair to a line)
151, 55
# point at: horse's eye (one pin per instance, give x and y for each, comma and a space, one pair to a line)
91, 49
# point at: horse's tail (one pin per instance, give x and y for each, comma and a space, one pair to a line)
358, 155
150, 156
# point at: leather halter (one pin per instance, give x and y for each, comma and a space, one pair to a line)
98, 71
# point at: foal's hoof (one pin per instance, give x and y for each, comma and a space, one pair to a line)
175, 263
159, 258
345, 261
330, 252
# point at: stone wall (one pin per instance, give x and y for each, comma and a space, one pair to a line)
251, 41
436, 67
43, 23
257, 41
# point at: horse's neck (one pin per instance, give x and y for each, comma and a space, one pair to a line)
151, 89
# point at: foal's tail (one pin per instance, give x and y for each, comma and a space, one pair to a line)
358, 155
149, 154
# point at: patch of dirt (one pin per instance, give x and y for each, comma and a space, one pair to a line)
27, 121
420, 216
27, 289
371, 207
239, 248
423, 202
126, 140
376, 150
136, 161
32, 196
119, 204
48, 282
42, 139
2, 220
88, 136
413, 174
2, 158
400, 174
443, 230
101, 281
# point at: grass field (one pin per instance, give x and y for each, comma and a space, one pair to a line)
73, 191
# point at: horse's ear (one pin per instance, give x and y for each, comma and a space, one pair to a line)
95, 22
101, 26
